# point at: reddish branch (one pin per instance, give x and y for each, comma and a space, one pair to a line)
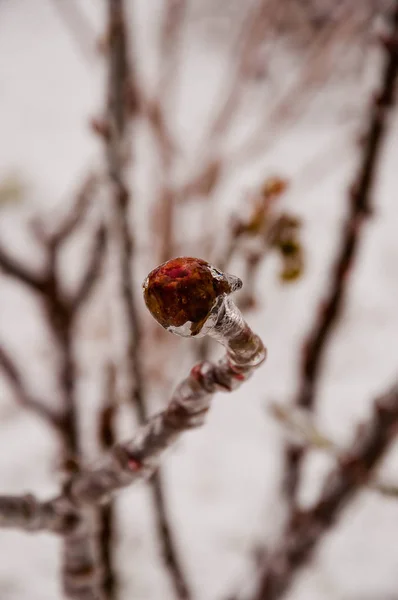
170, 38
120, 106
122, 98
306, 528
139, 457
129, 461
61, 310
360, 208
107, 512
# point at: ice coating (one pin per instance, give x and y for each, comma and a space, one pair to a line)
184, 294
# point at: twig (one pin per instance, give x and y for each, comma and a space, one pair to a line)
93, 271
207, 177
313, 72
12, 267
81, 562
251, 36
118, 118
126, 462
75, 217
169, 46
107, 512
359, 209
61, 313
306, 528
78, 26
22, 396
170, 39
26, 512
299, 423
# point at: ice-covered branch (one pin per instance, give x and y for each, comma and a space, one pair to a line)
211, 312
191, 298
26, 512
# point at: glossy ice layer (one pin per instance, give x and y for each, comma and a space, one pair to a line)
185, 294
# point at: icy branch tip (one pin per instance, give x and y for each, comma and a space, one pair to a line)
186, 294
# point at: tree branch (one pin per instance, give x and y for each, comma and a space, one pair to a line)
25, 399
13, 268
119, 78
79, 210
360, 208
26, 512
93, 271
139, 457
306, 528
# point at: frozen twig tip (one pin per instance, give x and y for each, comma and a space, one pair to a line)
185, 295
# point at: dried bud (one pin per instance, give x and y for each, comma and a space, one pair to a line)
184, 292
274, 187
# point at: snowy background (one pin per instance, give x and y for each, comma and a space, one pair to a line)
223, 481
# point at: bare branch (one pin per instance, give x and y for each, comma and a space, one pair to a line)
251, 36
359, 209
120, 75
75, 217
22, 396
13, 268
107, 512
26, 512
78, 26
306, 528
170, 41
93, 270
139, 457
314, 71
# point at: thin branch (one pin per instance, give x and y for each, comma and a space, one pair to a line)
139, 457
107, 512
26, 512
306, 528
13, 268
77, 24
213, 167
359, 209
252, 34
299, 424
80, 554
79, 210
22, 396
119, 110
314, 71
170, 44
93, 271
120, 74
